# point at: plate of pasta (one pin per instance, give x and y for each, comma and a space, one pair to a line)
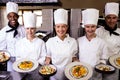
47, 70
115, 60
4, 56
104, 68
25, 65
78, 71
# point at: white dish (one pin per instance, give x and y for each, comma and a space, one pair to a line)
103, 68
6, 53
49, 70
113, 62
16, 68
71, 65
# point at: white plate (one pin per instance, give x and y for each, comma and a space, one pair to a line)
69, 66
51, 74
15, 65
97, 67
6, 53
112, 60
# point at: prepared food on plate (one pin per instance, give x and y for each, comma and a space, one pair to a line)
79, 71
117, 61
104, 68
25, 65
3, 57
46, 70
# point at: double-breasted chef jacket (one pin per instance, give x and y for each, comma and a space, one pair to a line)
92, 52
61, 53
113, 41
34, 49
7, 41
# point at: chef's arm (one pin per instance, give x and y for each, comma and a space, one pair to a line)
47, 60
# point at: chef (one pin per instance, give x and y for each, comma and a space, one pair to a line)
30, 46
62, 48
11, 33
92, 49
111, 33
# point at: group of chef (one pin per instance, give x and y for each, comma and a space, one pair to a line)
95, 47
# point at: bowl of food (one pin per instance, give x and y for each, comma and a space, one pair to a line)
103, 68
78, 71
117, 61
4, 56
25, 65
47, 70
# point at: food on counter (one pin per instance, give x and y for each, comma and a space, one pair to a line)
47, 69
25, 65
117, 61
104, 68
3, 57
79, 71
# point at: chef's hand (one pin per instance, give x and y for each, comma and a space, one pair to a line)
47, 60
75, 59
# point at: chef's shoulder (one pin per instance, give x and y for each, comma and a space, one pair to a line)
118, 30
100, 29
4, 29
52, 39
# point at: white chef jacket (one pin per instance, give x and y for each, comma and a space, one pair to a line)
112, 40
7, 41
61, 53
92, 52
34, 49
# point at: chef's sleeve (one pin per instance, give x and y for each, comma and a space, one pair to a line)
105, 53
43, 54
74, 48
3, 44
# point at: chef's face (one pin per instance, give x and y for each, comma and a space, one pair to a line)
90, 29
61, 30
13, 18
30, 32
111, 20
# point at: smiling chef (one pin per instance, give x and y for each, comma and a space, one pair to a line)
61, 49
11, 33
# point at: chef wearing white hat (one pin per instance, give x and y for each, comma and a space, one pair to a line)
111, 33
31, 46
112, 8
61, 49
12, 32
91, 44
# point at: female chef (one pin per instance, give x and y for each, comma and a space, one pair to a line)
92, 49
61, 49
111, 34
10, 34
31, 46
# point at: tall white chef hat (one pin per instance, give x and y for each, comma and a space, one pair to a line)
12, 7
112, 8
90, 16
29, 20
61, 16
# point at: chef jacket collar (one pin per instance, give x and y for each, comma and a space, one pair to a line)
91, 39
65, 40
111, 31
13, 29
32, 40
